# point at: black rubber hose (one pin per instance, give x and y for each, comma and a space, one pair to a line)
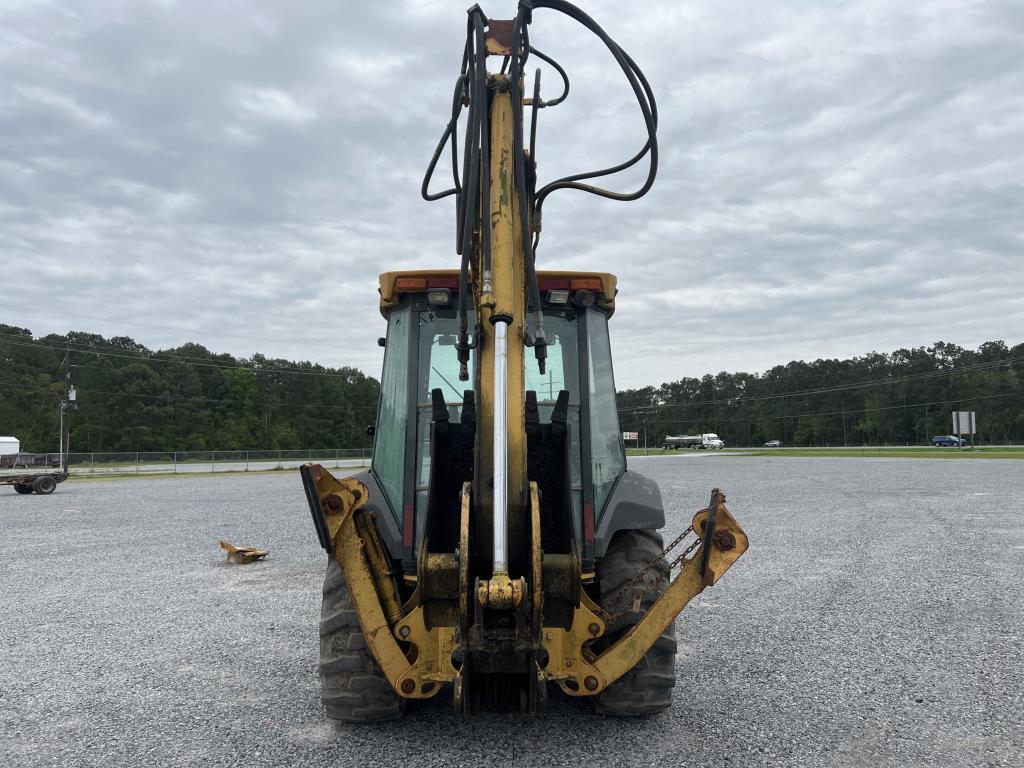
471, 199
518, 157
485, 152
469, 144
533, 118
472, 187
645, 98
570, 182
558, 68
449, 136
521, 42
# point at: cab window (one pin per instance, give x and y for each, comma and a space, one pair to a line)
607, 456
393, 411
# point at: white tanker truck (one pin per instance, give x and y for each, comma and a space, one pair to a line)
707, 441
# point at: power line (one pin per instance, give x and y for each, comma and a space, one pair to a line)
95, 348
990, 365
846, 411
89, 393
174, 398
183, 360
838, 387
166, 327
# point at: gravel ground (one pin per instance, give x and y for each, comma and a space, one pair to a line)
876, 621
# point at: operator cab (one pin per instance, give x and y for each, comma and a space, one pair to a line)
420, 357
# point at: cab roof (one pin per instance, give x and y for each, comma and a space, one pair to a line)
394, 284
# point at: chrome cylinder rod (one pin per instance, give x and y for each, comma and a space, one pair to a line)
501, 447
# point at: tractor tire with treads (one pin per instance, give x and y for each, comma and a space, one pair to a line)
352, 687
647, 688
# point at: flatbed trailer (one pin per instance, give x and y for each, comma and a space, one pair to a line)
32, 472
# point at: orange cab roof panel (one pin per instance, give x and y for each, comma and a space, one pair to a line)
394, 284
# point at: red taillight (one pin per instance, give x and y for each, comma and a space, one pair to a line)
451, 283
586, 284
570, 284
411, 284
408, 284
552, 284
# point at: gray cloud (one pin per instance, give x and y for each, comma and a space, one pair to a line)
834, 178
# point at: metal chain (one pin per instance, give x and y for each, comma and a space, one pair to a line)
646, 589
693, 546
646, 568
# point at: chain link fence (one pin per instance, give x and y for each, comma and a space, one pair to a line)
183, 462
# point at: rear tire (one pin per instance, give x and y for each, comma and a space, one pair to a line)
647, 688
44, 485
23, 488
352, 687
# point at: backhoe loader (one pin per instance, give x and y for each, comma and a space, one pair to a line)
499, 543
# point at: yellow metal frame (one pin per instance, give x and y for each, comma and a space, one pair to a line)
507, 298
597, 673
416, 659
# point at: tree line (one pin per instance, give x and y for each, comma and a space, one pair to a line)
903, 397
131, 398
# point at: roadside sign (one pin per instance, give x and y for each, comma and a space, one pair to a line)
630, 435
963, 423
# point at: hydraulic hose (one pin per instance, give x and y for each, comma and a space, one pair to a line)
472, 188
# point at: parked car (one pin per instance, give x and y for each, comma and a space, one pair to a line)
773, 444
945, 441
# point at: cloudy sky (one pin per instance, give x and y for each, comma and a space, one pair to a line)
835, 178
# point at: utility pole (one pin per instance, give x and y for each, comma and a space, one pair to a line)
551, 385
67, 403
845, 444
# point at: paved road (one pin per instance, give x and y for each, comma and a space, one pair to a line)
876, 621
